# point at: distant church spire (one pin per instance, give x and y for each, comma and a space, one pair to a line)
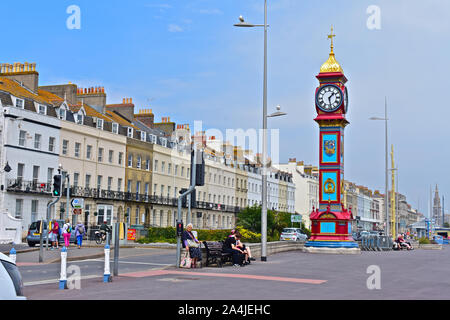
437, 209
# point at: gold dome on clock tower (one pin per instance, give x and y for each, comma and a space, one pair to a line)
331, 65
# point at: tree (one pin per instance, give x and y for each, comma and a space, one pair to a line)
250, 219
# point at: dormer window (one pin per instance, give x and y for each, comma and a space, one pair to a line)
100, 124
115, 128
42, 109
79, 119
20, 103
153, 138
143, 136
130, 132
164, 142
62, 114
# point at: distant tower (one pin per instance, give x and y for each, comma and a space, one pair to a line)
437, 209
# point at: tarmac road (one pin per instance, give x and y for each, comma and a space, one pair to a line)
131, 260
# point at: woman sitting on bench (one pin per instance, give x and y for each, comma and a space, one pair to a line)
231, 247
191, 243
246, 250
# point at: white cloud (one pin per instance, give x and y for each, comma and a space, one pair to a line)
175, 28
210, 11
159, 5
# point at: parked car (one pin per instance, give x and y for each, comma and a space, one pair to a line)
11, 285
34, 237
293, 234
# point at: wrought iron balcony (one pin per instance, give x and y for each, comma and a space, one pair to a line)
217, 207
19, 185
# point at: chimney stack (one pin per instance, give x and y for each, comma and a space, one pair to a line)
23, 73
93, 96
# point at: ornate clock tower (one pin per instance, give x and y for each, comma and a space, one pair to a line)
331, 222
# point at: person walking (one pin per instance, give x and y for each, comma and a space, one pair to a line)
54, 232
191, 243
80, 231
66, 231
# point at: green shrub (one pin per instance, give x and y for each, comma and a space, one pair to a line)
213, 235
168, 235
249, 236
424, 240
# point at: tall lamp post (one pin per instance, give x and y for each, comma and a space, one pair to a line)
386, 203
278, 113
244, 24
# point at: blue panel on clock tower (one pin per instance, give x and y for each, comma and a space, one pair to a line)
329, 148
329, 182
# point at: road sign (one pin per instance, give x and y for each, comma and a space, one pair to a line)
77, 203
296, 218
77, 211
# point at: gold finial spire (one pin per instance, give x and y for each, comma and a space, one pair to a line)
331, 65
331, 36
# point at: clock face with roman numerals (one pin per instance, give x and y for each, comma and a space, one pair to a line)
329, 98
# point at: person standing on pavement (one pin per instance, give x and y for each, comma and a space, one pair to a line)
80, 231
66, 231
54, 232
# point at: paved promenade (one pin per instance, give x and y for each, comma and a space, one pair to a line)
149, 274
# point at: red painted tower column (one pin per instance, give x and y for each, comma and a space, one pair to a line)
331, 222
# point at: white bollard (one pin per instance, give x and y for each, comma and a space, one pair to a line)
63, 279
107, 273
13, 255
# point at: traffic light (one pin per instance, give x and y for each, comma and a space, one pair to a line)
199, 169
179, 228
193, 199
57, 185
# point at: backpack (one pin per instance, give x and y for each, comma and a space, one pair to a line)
69, 228
80, 229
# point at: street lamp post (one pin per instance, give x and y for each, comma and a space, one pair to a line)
242, 23
245, 24
386, 204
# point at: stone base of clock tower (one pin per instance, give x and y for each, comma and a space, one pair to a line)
331, 230
326, 250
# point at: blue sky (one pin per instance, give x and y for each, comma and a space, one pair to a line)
184, 59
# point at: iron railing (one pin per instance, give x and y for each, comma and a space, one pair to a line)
20, 185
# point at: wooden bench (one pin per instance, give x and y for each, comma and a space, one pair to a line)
215, 255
